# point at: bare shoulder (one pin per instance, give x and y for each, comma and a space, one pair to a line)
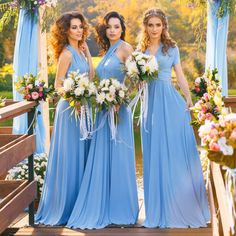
65, 55
127, 48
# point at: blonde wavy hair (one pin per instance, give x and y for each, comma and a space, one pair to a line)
166, 40
59, 32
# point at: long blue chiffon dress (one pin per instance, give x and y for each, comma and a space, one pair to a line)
108, 193
66, 160
174, 189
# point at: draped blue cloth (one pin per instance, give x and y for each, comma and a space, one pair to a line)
26, 61
217, 33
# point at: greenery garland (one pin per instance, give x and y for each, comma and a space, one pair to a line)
225, 6
10, 11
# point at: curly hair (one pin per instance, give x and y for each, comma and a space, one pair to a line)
101, 28
59, 31
166, 40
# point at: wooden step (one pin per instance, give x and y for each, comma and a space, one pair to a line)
55, 231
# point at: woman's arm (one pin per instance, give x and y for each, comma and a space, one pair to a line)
62, 67
89, 58
183, 84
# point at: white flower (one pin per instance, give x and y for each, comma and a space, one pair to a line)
116, 83
205, 129
100, 97
110, 97
139, 56
107, 82
141, 62
79, 91
92, 89
68, 84
112, 89
132, 70
230, 117
226, 149
121, 93
152, 62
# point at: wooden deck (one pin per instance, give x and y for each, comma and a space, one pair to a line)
55, 231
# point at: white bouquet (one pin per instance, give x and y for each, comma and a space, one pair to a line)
78, 90
141, 67
110, 95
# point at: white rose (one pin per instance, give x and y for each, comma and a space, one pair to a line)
100, 97
68, 84
92, 89
79, 91
112, 89
121, 93
226, 149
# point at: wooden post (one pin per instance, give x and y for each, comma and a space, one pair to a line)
42, 49
31, 164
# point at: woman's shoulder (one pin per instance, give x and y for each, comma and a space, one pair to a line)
126, 47
66, 54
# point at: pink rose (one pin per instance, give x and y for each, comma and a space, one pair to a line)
204, 109
201, 116
209, 116
197, 89
213, 133
206, 96
213, 146
35, 95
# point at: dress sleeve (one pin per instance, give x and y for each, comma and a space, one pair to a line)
176, 56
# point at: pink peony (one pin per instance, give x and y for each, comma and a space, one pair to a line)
35, 95
213, 146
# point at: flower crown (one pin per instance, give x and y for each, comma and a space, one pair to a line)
155, 13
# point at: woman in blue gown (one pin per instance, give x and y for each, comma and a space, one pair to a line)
108, 193
67, 155
174, 189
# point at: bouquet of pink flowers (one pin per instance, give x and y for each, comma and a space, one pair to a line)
32, 88
210, 105
219, 139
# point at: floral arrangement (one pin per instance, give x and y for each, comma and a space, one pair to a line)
141, 67
32, 88
79, 92
210, 105
111, 92
2, 102
225, 6
20, 172
219, 139
11, 9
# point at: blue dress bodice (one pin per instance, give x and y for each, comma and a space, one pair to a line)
110, 65
166, 61
78, 62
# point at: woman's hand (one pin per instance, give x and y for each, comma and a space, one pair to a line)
189, 102
85, 49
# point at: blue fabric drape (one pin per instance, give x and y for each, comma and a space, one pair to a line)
26, 61
217, 34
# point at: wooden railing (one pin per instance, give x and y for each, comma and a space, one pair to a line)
15, 196
220, 214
